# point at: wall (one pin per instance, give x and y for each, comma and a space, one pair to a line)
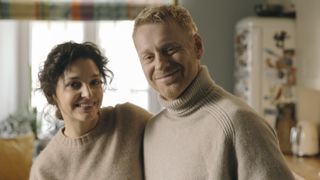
309, 104
216, 21
308, 43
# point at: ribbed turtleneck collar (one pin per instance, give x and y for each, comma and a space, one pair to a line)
189, 100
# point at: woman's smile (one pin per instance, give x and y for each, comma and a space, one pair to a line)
86, 107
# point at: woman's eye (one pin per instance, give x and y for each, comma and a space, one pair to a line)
75, 85
96, 82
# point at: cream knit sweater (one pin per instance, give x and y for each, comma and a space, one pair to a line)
112, 150
208, 134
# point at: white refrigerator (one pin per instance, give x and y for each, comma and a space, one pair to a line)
265, 65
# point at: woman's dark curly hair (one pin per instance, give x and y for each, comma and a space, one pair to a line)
62, 56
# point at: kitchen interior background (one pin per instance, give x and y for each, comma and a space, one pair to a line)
216, 22
218, 32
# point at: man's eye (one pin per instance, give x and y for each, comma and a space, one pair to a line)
171, 50
148, 58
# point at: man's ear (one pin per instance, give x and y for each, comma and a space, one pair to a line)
199, 49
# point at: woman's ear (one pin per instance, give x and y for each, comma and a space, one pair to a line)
199, 49
54, 100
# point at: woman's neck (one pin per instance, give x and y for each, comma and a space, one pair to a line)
75, 128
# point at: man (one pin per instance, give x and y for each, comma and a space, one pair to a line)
204, 132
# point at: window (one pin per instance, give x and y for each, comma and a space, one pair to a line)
129, 83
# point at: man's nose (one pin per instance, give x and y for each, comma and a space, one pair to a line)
161, 61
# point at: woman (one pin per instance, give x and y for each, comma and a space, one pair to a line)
95, 143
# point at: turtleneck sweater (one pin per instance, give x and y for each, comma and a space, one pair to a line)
112, 150
207, 133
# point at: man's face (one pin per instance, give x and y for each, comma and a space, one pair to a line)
169, 56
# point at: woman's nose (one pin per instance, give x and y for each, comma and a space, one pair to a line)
86, 91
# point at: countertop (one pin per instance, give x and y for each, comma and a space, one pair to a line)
307, 168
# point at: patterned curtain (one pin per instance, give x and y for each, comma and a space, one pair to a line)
74, 9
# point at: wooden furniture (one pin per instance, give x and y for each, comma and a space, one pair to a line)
16, 157
306, 167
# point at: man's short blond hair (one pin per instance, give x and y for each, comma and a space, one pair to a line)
164, 14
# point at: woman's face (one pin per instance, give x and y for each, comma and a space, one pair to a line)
79, 92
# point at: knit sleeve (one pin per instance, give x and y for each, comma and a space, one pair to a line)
33, 174
257, 149
135, 112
